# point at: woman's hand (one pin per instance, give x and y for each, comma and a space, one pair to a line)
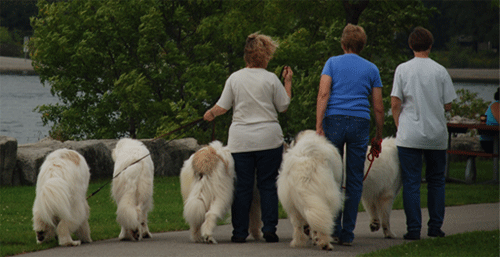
287, 74
209, 115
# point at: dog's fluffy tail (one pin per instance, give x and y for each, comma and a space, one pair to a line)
54, 201
196, 205
127, 214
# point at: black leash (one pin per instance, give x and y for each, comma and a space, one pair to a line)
156, 138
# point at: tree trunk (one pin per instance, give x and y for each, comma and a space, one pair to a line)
353, 9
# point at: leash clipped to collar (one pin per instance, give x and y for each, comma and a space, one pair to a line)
375, 151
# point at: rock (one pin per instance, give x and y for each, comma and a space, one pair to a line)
168, 157
8, 158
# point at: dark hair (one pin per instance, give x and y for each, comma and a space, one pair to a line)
496, 94
353, 38
420, 39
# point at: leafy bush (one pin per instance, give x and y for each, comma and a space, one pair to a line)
468, 105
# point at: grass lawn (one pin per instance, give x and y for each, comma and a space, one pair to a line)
17, 235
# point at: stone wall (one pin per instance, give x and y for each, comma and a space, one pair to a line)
19, 165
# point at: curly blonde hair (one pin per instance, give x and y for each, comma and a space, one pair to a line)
259, 49
353, 38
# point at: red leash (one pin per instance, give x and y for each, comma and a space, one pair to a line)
374, 153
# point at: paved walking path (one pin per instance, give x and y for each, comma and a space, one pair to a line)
458, 219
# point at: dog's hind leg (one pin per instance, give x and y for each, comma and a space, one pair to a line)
64, 235
385, 209
83, 232
195, 233
321, 226
215, 212
255, 216
373, 211
300, 239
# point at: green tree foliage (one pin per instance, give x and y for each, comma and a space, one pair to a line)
141, 68
468, 105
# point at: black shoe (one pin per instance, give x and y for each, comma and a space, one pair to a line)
271, 237
412, 235
236, 239
436, 232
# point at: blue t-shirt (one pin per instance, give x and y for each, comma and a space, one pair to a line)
490, 120
353, 79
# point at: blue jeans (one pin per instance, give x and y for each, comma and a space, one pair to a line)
411, 166
265, 164
353, 132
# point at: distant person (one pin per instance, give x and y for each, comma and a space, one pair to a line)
347, 84
255, 136
421, 94
492, 118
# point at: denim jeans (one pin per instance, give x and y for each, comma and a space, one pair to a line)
411, 165
353, 132
265, 164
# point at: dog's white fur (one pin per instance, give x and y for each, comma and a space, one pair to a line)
381, 186
207, 187
60, 205
309, 188
132, 189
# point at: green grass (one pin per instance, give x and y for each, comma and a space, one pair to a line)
17, 235
477, 243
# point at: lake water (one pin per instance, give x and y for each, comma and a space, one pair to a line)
19, 95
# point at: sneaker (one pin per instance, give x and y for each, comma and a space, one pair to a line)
412, 235
436, 232
345, 243
236, 239
271, 237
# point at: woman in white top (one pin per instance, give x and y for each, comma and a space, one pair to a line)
422, 92
255, 135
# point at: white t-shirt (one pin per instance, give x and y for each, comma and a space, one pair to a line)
424, 87
257, 96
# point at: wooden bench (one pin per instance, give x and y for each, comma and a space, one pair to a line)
470, 168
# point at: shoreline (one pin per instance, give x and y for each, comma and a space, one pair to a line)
21, 66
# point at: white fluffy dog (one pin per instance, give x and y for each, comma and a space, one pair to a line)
381, 186
132, 188
60, 204
309, 188
207, 187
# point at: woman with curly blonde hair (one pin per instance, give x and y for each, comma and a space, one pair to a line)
255, 136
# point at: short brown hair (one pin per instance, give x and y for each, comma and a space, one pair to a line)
353, 38
259, 49
420, 39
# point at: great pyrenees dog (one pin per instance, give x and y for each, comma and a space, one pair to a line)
207, 186
381, 186
132, 188
309, 188
60, 206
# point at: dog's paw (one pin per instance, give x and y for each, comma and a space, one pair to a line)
209, 240
327, 247
147, 235
374, 226
388, 234
72, 243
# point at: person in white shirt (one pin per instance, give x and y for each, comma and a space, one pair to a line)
422, 91
255, 136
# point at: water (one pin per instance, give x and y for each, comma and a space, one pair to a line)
19, 95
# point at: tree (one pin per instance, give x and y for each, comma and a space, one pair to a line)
141, 68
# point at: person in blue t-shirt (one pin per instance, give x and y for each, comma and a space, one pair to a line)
492, 118
343, 116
